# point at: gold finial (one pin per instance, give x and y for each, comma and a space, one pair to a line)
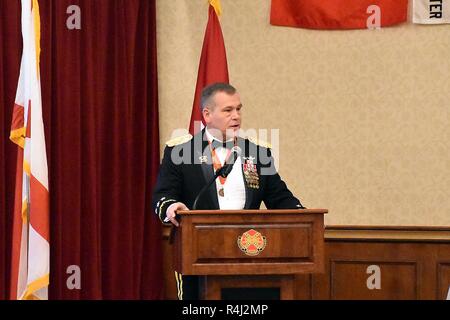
216, 5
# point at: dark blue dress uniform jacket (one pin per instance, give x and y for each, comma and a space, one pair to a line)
187, 166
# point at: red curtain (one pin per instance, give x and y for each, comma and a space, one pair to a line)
100, 108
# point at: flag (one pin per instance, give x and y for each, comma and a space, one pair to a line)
213, 63
337, 14
31, 250
431, 11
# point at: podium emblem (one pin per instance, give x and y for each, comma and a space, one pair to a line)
251, 242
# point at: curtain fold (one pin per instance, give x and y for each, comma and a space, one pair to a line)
100, 109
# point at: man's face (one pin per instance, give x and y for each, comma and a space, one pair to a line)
224, 114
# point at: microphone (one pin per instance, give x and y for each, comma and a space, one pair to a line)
228, 166
224, 171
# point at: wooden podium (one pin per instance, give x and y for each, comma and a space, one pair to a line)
249, 248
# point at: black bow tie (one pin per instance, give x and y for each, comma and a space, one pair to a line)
217, 144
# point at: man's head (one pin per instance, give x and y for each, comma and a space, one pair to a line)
221, 109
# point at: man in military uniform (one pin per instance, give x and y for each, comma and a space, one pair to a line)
189, 163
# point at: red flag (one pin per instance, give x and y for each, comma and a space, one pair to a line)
213, 63
337, 14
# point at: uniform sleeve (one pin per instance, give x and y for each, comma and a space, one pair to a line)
168, 185
276, 193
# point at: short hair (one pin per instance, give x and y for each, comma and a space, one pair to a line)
209, 91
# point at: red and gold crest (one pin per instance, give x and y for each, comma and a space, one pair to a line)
251, 242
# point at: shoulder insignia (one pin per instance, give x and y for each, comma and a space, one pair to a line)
260, 143
179, 140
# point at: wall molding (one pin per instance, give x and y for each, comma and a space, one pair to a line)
387, 233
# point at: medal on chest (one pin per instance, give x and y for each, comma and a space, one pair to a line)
250, 173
